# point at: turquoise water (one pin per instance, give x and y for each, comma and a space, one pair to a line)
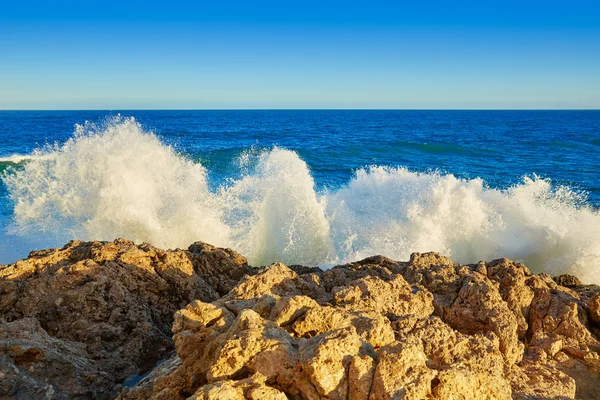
312, 187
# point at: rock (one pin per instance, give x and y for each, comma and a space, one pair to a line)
99, 320
567, 280
393, 299
360, 376
512, 279
36, 365
253, 388
370, 326
219, 391
325, 360
556, 313
402, 372
162, 380
428, 328
113, 300
594, 308
220, 268
275, 280
542, 382
288, 309
198, 315
459, 383
253, 344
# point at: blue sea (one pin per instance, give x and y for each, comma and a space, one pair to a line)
314, 187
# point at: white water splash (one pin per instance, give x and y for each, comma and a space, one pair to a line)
395, 212
275, 213
18, 158
117, 180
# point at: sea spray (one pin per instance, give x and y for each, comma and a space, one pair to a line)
115, 179
275, 213
395, 212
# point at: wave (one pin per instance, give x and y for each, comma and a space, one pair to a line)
15, 161
15, 158
18, 158
115, 179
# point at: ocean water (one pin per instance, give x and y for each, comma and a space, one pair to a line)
309, 187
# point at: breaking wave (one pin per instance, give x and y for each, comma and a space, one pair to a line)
115, 179
15, 159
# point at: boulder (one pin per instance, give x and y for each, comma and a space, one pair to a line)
114, 301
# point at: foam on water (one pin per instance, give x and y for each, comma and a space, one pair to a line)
114, 180
117, 180
275, 213
16, 158
393, 211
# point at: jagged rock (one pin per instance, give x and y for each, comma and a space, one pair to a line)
85, 320
402, 372
372, 327
360, 376
325, 359
256, 345
275, 280
533, 381
567, 280
220, 268
594, 307
159, 383
114, 300
428, 328
252, 388
288, 309
36, 365
394, 298
512, 278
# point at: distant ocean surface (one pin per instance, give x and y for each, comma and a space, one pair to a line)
309, 187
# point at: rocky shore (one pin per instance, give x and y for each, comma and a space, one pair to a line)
107, 320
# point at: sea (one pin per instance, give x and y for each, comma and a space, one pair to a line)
312, 187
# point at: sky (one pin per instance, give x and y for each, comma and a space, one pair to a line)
124, 55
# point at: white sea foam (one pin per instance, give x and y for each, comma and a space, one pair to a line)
117, 180
17, 158
275, 213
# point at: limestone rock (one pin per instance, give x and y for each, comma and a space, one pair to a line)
288, 309
567, 280
394, 298
402, 372
425, 329
325, 360
594, 307
35, 365
114, 300
360, 376
99, 320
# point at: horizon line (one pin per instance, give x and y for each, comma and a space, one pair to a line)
299, 109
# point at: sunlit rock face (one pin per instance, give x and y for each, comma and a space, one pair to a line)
116, 319
91, 315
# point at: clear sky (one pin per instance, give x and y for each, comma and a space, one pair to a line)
310, 54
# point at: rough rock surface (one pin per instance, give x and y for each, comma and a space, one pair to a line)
89, 319
379, 329
79, 321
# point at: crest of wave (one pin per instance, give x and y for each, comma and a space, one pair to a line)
274, 212
394, 212
112, 180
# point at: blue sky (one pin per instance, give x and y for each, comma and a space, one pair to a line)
240, 54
